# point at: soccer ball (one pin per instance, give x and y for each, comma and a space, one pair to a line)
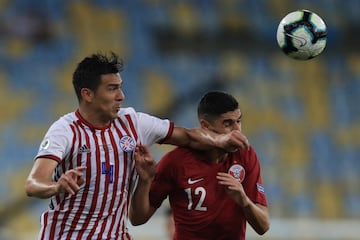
302, 35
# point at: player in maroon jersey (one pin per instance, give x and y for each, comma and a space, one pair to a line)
212, 193
85, 161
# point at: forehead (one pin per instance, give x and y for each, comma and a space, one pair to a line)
111, 78
233, 115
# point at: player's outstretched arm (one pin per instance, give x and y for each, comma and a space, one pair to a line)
140, 208
39, 182
203, 139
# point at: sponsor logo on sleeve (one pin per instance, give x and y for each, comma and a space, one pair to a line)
45, 144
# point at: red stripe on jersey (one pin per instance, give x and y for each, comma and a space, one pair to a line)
123, 181
130, 190
87, 182
132, 127
97, 185
45, 221
132, 172
61, 206
78, 132
122, 209
106, 188
116, 180
124, 127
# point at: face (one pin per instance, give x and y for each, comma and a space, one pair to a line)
226, 122
106, 101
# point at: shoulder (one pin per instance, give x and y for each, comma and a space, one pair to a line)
131, 113
248, 156
179, 152
181, 156
177, 156
64, 122
246, 152
127, 110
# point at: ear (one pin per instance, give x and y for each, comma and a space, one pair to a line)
204, 124
87, 94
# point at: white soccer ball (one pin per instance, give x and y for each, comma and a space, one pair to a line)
302, 35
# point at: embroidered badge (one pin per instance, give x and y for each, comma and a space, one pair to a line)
237, 171
127, 144
45, 144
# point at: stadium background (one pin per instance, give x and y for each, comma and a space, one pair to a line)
302, 117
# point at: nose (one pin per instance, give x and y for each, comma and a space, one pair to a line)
120, 95
237, 126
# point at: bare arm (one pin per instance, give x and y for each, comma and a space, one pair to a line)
140, 208
199, 138
257, 215
39, 182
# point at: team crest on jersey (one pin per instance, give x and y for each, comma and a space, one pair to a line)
127, 144
45, 144
237, 171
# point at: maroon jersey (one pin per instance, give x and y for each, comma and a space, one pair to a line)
201, 207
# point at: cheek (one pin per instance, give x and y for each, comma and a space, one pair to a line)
223, 130
107, 99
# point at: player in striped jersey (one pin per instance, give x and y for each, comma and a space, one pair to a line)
212, 193
85, 161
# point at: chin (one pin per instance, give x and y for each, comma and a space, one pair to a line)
114, 115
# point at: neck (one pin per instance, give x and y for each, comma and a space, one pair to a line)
93, 118
216, 155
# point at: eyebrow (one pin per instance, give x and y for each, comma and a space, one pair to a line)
114, 84
232, 120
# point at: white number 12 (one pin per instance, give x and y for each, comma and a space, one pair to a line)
198, 190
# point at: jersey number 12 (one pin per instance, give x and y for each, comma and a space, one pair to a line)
198, 191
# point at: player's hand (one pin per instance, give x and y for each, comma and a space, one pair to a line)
144, 163
234, 188
232, 141
71, 180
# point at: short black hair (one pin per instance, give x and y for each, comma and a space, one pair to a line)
89, 70
215, 103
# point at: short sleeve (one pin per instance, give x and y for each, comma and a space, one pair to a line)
56, 142
163, 182
153, 129
253, 185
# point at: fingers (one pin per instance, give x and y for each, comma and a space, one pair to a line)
80, 168
144, 162
241, 139
228, 180
71, 180
234, 140
142, 153
224, 178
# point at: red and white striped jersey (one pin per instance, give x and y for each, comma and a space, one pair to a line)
100, 209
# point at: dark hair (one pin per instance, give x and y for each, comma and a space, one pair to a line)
215, 103
89, 70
